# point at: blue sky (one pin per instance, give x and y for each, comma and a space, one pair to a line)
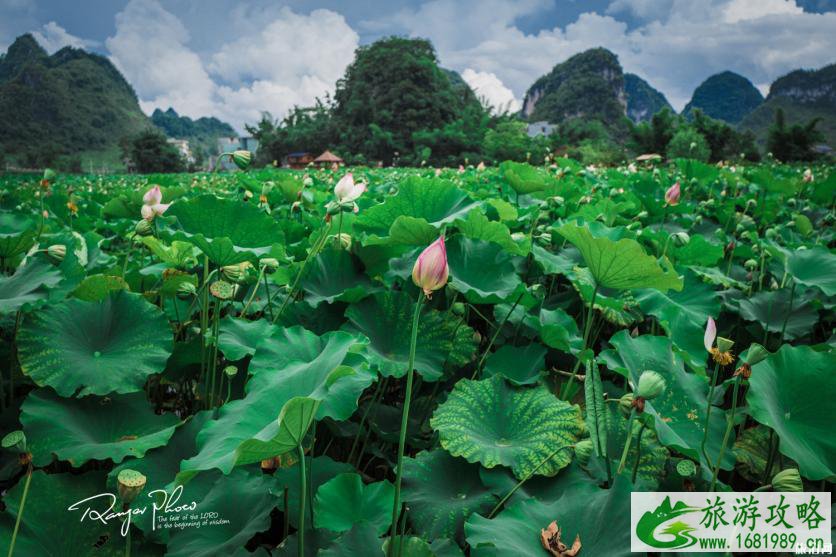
233, 59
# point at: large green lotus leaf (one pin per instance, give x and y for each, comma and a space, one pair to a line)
92, 428
521, 365
333, 276
617, 307
653, 455
601, 517
698, 251
320, 470
523, 177
102, 347
29, 287
623, 264
469, 262
345, 500
361, 541
713, 275
792, 392
478, 227
442, 492
409, 231
17, 235
683, 315
226, 231
243, 504
772, 308
752, 452
434, 200
385, 318
178, 254
559, 330
49, 528
97, 287
679, 412
293, 362
160, 466
814, 267
239, 338
493, 423
561, 263
294, 421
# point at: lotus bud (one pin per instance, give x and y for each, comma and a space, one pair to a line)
231, 371
248, 195
295, 207
344, 240
270, 264
651, 385
130, 483
808, 176
641, 215
710, 334
242, 159
680, 238
750, 264
14, 440
787, 480
756, 354
347, 191
186, 290
698, 220
430, 271
57, 252
458, 309
143, 228
672, 195
686, 468
583, 451
237, 272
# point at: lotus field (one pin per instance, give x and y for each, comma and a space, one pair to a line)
406, 362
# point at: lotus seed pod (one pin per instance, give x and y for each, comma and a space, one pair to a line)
231, 371
583, 451
651, 385
270, 263
57, 252
344, 240
686, 468
222, 290
186, 290
458, 309
724, 344
698, 219
756, 354
242, 159
14, 440
750, 264
680, 238
787, 480
143, 228
130, 483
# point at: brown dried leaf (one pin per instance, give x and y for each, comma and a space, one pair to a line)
551, 542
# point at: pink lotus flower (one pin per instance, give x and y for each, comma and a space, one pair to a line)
672, 195
430, 271
347, 191
151, 206
710, 334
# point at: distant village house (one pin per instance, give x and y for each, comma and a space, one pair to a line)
182, 146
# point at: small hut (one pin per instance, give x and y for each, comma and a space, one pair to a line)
328, 159
300, 159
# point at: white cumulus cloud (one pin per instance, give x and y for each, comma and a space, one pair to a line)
53, 37
287, 59
491, 89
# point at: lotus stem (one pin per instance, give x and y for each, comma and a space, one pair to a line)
255, 291
708, 413
590, 315
303, 488
770, 457
286, 525
638, 454
269, 300
729, 428
626, 450
377, 391
787, 315
525, 479
320, 242
495, 334
20, 510
405, 421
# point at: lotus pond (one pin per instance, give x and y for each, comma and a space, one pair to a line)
421, 363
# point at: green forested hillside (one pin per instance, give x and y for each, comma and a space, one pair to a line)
725, 96
201, 133
65, 109
643, 101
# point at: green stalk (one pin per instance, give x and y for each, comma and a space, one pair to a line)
638, 454
255, 291
588, 327
269, 301
708, 413
303, 488
525, 479
405, 420
626, 450
363, 419
20, 510
729, 428
128, 539
495, 334
311, 254
787, 316
770, 460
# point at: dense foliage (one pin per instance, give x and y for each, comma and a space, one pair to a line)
253, 336
55, 108
725, 96
202, 133
149, 151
